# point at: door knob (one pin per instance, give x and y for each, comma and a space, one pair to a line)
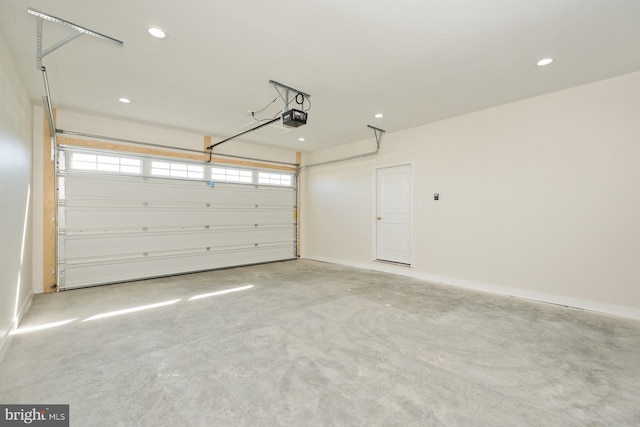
379, 218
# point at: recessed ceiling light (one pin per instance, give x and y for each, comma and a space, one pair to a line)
124, 100
545, 61
301, 139
157, 32
379, 116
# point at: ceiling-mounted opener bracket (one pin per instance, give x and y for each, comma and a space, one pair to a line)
78, 31
378, 133
284, 90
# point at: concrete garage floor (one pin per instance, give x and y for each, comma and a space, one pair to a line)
320, 344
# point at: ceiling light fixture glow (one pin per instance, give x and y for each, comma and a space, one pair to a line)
124, 100
379, 116
545, 61
301, 139
157, 32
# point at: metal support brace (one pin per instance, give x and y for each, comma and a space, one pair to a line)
378, 134
286, 89
40, 53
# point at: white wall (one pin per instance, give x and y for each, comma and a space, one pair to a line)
538, 199
15, 201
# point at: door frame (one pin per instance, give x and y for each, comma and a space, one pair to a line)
374, 210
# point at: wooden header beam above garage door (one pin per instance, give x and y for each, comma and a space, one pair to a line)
75, 142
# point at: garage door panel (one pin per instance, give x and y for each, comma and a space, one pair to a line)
108, 244
88, 274
114, 188
261, 195
108, 218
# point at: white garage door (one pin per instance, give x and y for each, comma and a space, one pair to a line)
125, 217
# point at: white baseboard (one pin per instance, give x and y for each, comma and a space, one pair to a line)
615, 310
6, 340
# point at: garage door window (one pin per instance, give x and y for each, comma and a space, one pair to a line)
231, 175
274, 178
177, 170
98, 163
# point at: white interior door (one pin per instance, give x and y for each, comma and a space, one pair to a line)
394, 214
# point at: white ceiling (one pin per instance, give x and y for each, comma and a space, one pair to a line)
415, 61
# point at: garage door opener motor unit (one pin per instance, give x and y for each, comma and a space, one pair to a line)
294, 118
